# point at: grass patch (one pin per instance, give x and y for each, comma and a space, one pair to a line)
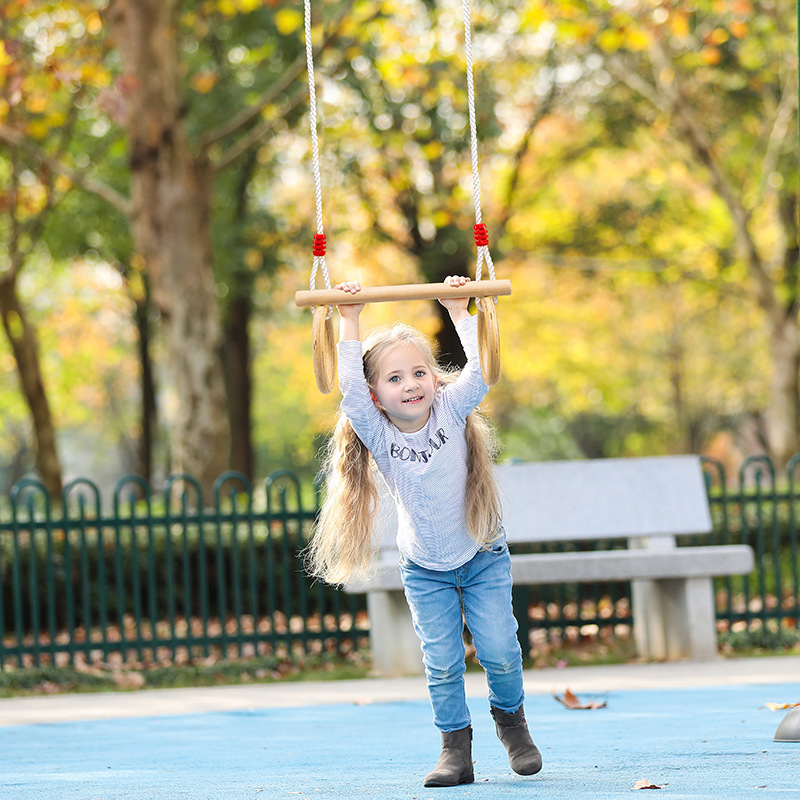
764, 640
210, 672
589, 653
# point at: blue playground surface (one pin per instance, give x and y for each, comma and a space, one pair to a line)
694, 742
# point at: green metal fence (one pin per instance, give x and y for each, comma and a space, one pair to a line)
150, 577
761, 507
157, 577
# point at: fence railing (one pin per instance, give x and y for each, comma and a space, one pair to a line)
762, 509
159, 576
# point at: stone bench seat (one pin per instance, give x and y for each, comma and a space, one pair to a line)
645, 502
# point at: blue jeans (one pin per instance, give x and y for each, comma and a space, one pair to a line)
478, 593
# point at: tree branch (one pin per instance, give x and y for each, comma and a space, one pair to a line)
699, 142
525, 142
780, 129
634, 81
114, 198
254, 134
247, 115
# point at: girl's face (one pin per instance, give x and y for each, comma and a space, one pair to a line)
405, 387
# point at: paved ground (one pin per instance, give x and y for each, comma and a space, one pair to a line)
697, 730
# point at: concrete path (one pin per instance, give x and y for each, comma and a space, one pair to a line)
697, 730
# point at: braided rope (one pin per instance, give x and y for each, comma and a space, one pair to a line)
481, 236
319, 239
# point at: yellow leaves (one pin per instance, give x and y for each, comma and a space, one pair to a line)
433, 150
288, 20
610, 40
711, 55
204, 82
718, 36
37, 129
623, 33
253, 259
533, 17
739, 29
94, 74
36, 102
362, 12
5, 59
94, 23
233, 7
679, 23
62, 184
637, 39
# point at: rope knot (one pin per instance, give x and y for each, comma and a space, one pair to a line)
481, 235
319, 244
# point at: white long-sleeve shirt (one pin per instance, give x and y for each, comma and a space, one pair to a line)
425, 471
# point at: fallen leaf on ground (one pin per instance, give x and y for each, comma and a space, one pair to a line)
781, 706
645, 784
571, 700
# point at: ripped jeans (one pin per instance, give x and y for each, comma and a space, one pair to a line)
480, 590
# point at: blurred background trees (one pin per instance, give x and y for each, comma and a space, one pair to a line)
640, 182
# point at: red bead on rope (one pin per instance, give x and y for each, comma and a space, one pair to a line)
481, 235
319, 244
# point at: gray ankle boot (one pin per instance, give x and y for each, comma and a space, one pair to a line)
455, 762
512, 730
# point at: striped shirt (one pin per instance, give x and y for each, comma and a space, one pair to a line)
425, 471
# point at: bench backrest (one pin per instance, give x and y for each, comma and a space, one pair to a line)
604, 498
594, 499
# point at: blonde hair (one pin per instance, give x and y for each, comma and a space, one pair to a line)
343, 543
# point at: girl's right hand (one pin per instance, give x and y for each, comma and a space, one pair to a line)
350, 310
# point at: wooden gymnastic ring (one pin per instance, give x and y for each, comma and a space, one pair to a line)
324, 349
488, 340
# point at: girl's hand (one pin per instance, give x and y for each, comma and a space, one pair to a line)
457, 306
349, 313
350, 310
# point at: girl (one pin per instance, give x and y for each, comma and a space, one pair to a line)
420, 427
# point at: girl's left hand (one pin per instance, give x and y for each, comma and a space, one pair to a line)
455, 303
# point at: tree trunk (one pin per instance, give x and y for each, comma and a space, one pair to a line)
171, 189
148, 413
239, 382
783, 411
448, 254
22, 336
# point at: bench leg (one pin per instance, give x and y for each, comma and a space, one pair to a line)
675, 619
395, 646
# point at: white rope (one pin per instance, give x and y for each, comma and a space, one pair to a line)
483, 251
484, 256
319, 261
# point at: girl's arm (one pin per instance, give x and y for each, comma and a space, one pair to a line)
469, 389
349, 314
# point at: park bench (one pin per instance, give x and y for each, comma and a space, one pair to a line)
643, 502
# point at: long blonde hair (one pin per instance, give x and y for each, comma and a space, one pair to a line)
343, 543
